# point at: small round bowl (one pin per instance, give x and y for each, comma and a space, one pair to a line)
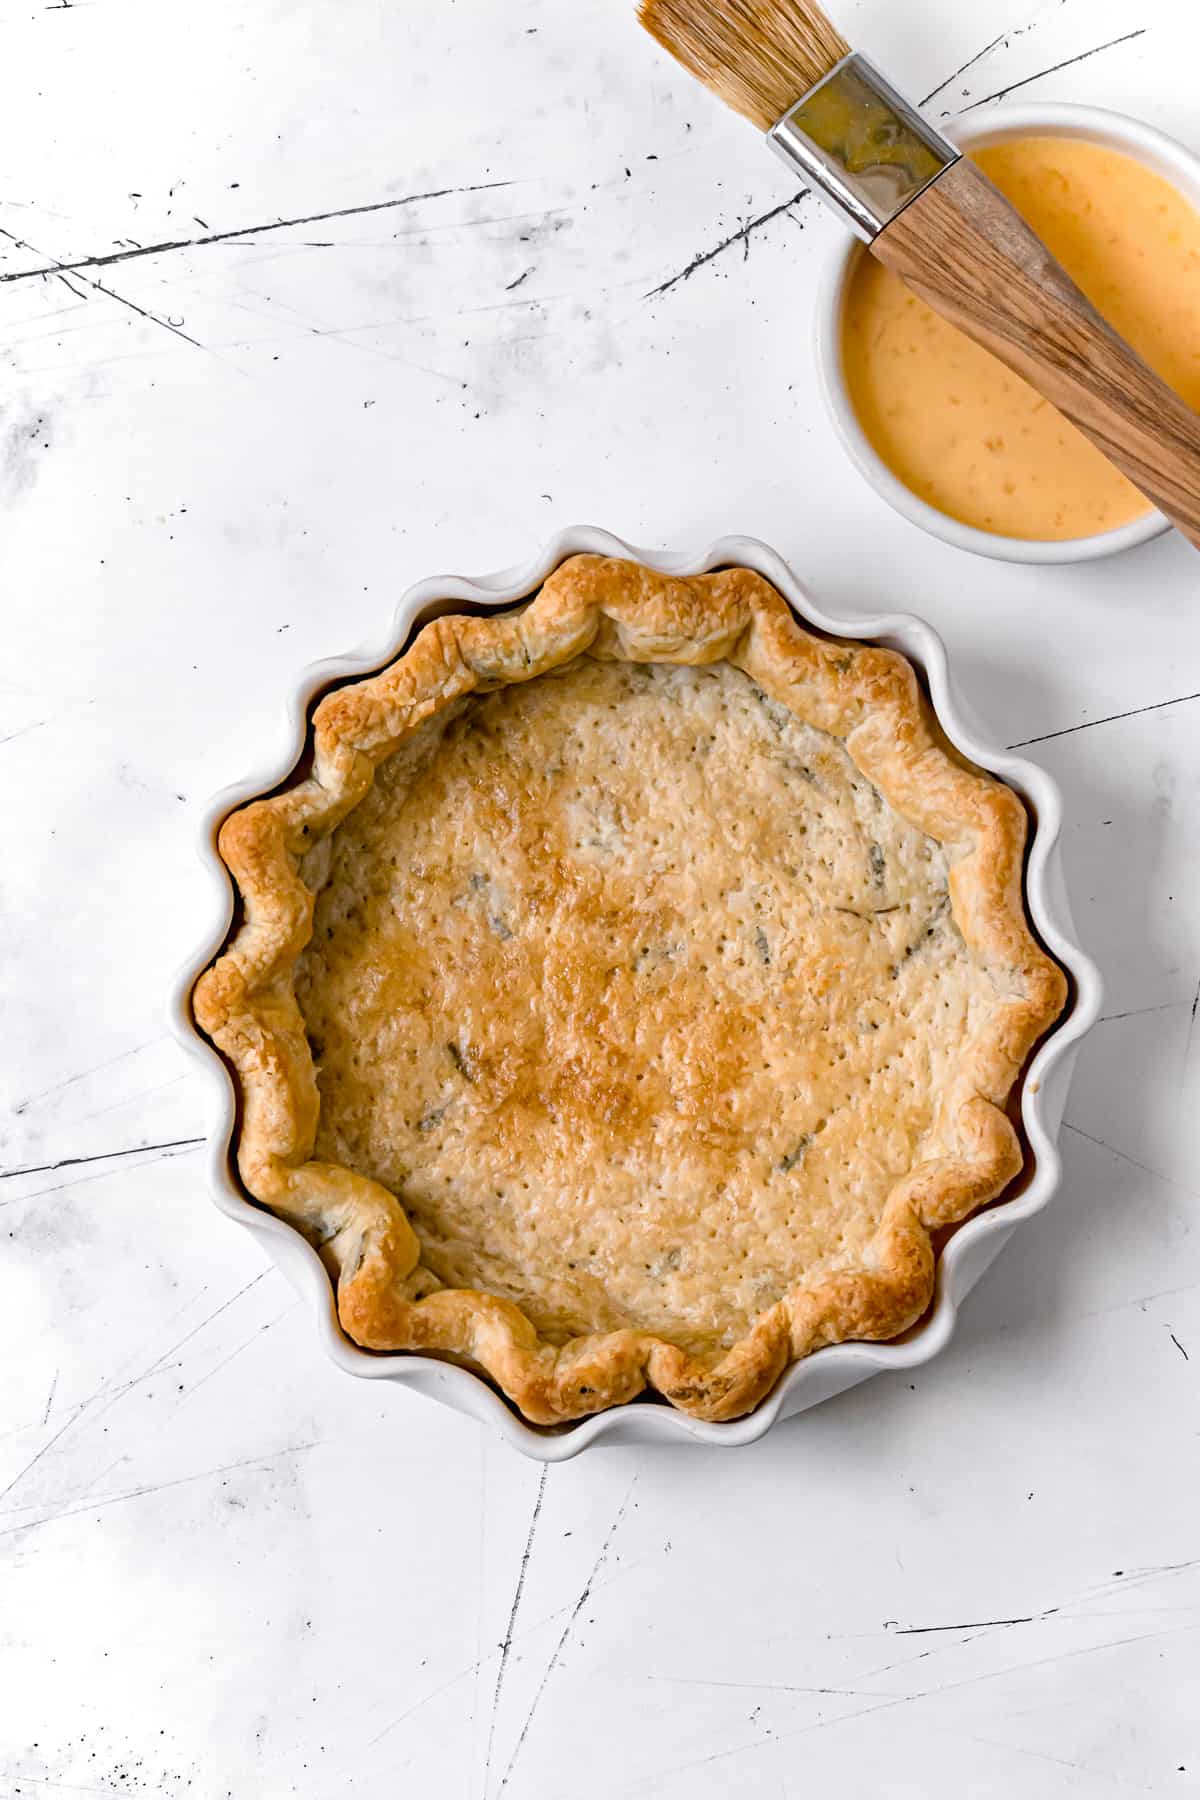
1115, 132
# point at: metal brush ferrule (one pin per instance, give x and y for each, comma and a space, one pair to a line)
866, 150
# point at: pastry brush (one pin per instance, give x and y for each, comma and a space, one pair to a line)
936, 220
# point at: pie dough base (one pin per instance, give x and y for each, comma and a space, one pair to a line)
662, 1007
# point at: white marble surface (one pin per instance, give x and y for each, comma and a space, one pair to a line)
227, 1570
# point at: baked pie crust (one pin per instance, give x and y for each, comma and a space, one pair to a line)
629, 993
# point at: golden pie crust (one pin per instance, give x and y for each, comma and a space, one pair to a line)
633, 986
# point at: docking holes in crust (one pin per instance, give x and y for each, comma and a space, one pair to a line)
634, 985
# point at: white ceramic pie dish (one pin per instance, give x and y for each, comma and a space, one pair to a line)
974, 1244
1113, 131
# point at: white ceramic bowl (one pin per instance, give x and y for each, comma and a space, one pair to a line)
1153, 148
973, 1246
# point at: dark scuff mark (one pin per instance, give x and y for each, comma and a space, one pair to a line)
1179, 1347
56, 1087
1005, 38
972, 1624
506, 1646
742, 236
1083, 56
157, 1487
1141, 1012
77, 292
75, 1162
151, 318
258, 1332
520, 278
969, 64
206, 1321
1132, 1161
1110, 719
111, 1394
34, 1460
567, 1629
223, 237
1191, 1032
97, 286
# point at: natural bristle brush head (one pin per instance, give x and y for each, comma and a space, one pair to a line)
934, 219
758, 56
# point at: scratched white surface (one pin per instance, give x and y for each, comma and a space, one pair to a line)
225, 1569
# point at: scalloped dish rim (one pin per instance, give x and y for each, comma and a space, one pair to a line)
973, 1244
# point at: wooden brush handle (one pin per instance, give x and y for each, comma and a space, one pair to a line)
971, 256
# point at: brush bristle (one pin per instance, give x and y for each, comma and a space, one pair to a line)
758, 56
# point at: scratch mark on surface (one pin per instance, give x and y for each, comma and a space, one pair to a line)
46, 1781
1140, 1012
506, 1646
425, 1700
769, 1687
972, 1624
76, 1162
159, 1087
1123, 1582
79, 1181
80, 1405
12, 736
1111, 719
1054, 70
1156, 1174
222, 237
50, 1397
143, 313
111, 1394
56, 268
741, 236
1006, 38
481, 1585
36, 1459
969, 64
1180, 1347
567, 1630
258, 1332
935, 1693
159, 1487
207, 1320
1143, 1300
529, 1631
1191, 1033
1061, 1762
71, 290
72, 1080
1154, 1571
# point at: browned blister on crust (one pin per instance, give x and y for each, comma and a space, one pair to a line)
634, 985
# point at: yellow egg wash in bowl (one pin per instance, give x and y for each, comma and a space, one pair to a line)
963, 432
